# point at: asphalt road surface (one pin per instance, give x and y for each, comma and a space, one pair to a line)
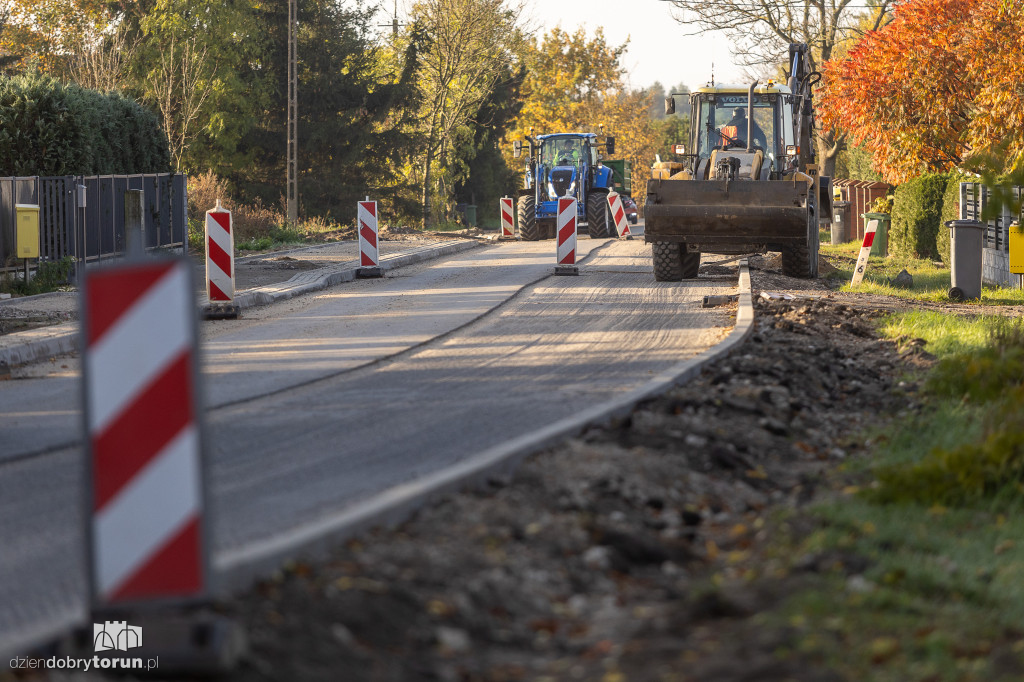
320, 402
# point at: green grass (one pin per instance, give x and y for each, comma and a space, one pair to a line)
945, 334
446, 226
49, 276
279, 236
931, 281
942, 592
936, 520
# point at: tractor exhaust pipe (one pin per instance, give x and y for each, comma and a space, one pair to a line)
750, 118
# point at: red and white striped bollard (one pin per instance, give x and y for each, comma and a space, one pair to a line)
619, 215
865, 252
220, 264
145, 501
566, 233
507, 223
369, 253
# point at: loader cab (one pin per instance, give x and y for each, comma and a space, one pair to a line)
719, 129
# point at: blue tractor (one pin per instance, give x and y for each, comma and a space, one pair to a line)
564, 165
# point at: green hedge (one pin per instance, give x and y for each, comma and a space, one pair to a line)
51, 128
950, 211
916, 212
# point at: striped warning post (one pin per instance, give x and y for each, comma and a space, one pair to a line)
369, 255
145, 491
220, 255
566, 231
619, 215
865, 252
507, 225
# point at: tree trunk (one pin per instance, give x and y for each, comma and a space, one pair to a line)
829, 147
425, 197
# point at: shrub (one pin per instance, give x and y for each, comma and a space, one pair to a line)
51, 128
950, 211
916, 211
203, 192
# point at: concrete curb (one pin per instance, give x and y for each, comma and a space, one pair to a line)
236, 568
48, 342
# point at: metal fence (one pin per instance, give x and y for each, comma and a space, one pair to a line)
974, 199
96, 230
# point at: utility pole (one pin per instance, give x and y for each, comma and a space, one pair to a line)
394, 22
293, 114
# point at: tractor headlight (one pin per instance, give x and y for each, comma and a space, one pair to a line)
572, 188
551, 190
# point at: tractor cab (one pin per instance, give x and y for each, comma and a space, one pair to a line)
562, 159
742, 135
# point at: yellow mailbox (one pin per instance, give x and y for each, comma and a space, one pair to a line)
27, 242
1016, 245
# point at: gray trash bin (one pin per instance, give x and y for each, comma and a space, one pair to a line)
966, 241
840, 220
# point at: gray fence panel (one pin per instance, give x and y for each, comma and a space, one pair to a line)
97, 232
974, 199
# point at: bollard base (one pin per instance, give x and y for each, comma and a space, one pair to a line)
369, 273
626, 238
221, 311
717, 300
181, 644
567, 270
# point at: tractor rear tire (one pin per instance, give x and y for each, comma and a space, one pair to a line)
527, 210
668, 261
598, 220
690, 261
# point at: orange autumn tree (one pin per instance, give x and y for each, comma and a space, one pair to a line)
997, 62
905, 92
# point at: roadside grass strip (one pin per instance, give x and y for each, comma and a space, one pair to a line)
931, 280
924, 543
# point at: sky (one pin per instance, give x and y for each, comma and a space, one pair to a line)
658, 49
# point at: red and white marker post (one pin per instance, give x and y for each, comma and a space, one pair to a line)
865, 252
619, 215
508, 230
566, 232
145, 501
369, 254
220, 264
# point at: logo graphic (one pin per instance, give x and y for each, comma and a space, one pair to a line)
116, 635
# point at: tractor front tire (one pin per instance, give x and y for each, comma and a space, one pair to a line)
668, 263
598, 220
527, 210
802, 260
